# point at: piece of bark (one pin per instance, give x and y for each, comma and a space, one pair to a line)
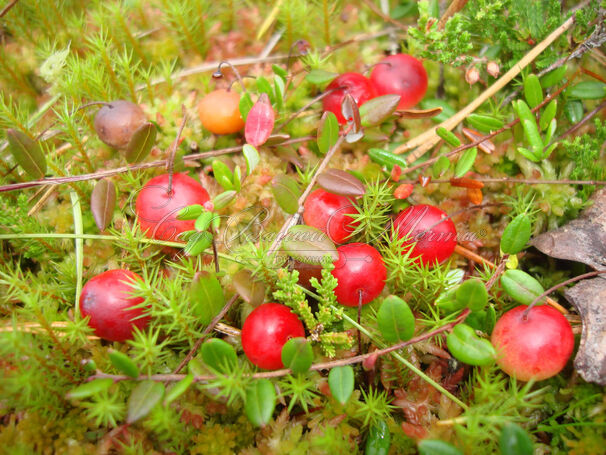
589, 298
582, 240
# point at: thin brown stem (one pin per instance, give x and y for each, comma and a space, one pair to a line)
170, 160
516, 180
561, 285
304, 108
383, 16
584, 120
454, 7
315, 367
8, 7
206, 331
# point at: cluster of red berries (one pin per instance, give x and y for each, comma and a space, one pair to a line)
399, 74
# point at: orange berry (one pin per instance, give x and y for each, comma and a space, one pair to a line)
219, 112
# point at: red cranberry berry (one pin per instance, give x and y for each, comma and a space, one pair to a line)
536, 347
329, 213
157, 208
432, 230
265, 331
359, 270
403, 75
356, 84
106, 299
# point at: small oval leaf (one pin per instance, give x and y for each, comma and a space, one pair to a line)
103, 202
191, 212
260, 122
286, 192
198, 243
340, 182
223, 199
437, 447
485, 123
143, 399
90, 388
219, 355
297, 355
319, 77
548, 115
516, 235
448, 136
553, 77
521, 287
467, 347
514, 440
206, 296
328, 132
341, 383
573, 109
440, 167
308, 244
123, 363
533, 92
376, 110
141, 143
203, 221
387, 159
465, 162
395, 319
472, 294
433, 113
178, 389
223, 174
249, 288
260, 402
588, 90
351, 114
27, 153
251, 155
379, 439
245, 105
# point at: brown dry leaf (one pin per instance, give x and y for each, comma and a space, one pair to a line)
584, 240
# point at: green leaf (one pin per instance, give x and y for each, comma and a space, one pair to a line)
103, 202
448, 136
447, 110
341, 383
279, 92
206, 296
141, 143
223, 199
531, 132
27, 153
263, 86
467, 347
251, 155
387, 159
320, 77
90, 388
328, 132
440, 167
286, 192
533, 92
245, 105
252, 290
465, 162
260, 402
308, 244
123, 363
237, 180
548, 115
573, 109
178, 389
447, 301
297, 355
281, 72
516, 235
395, 319
203, 221
143, 399
551, 129
198, 243
553, 77
191, 212
219, 355
223, 174
587, 90
514, 440
378, 440
437, 447
376, 110
485, 123
472, 294
523, 111
529, 154
521, 287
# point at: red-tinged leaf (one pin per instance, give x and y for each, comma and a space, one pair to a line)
340, 182
27, 153
486, 146
378, 109
260, 122
351, 113
250, 289
103, 202
396, 173
465, 182
370, 363
141, 143
475, 195
420, 113
424, 180
403, 191
143, 399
